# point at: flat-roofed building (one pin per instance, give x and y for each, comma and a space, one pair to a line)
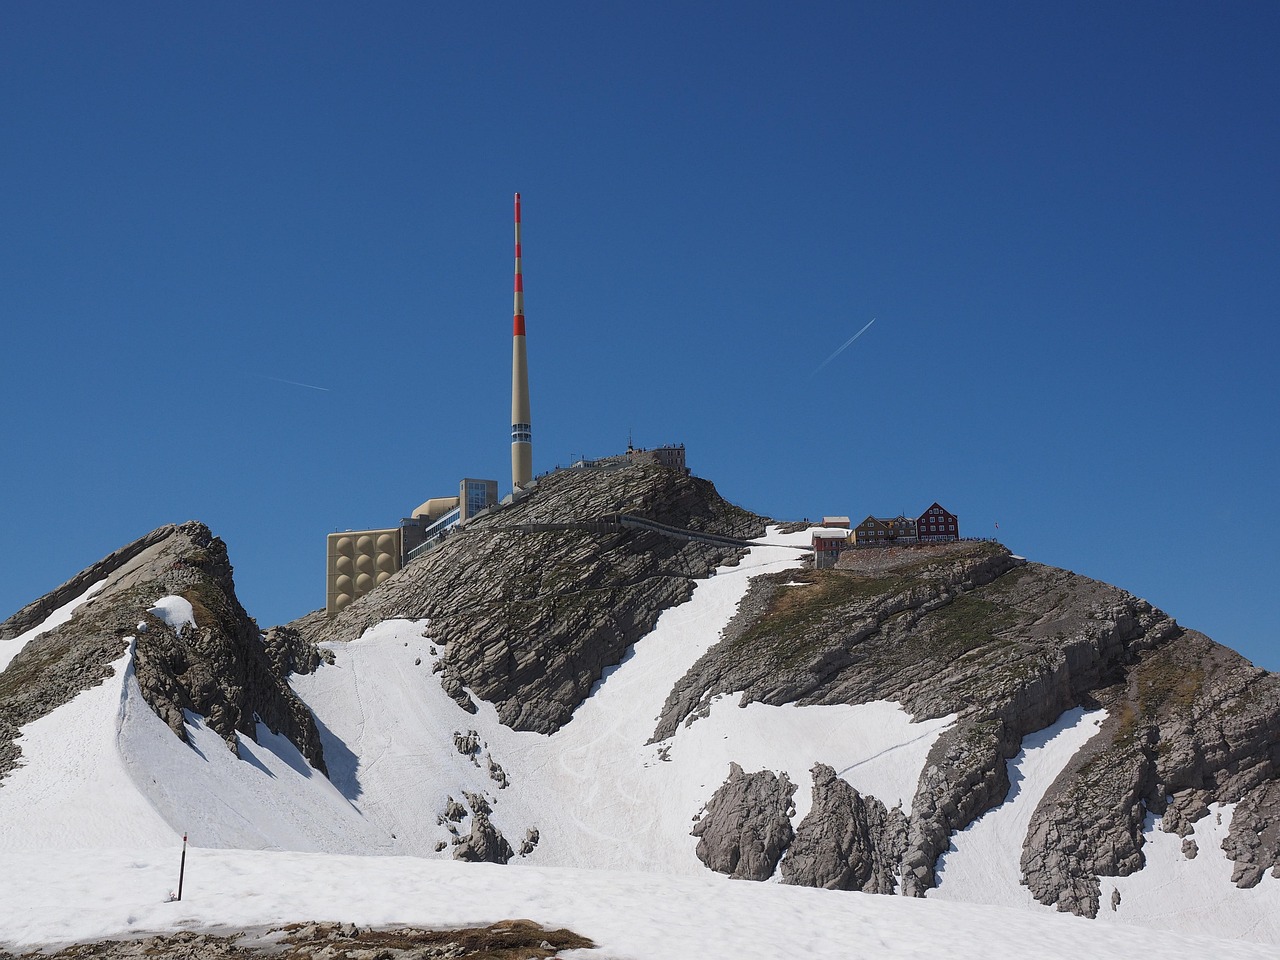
671, 456
359, 560
475, 496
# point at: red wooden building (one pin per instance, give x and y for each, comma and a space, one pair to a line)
937, 523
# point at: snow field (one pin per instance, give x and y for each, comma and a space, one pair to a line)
60, 896
94, 815
72, 788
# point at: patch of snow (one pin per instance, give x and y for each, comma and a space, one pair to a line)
267, 797
176, 612
984, 862
11, 648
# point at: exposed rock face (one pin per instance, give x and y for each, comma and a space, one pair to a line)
846, 841
1006, 646
38, 610
530, 619
747, 824
219, 669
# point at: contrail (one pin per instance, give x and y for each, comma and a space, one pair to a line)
295, 383
844, 346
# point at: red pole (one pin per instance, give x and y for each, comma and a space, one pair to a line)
182, 867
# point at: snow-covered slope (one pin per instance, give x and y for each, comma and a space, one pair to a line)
597, 791
103, 773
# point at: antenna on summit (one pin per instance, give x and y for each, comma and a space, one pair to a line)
521, 428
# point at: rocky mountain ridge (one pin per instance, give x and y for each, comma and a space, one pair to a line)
218, 668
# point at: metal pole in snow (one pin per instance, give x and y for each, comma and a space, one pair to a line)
182, 866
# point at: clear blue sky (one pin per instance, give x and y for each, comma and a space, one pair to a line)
1063, 218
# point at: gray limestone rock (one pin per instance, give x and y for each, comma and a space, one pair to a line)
466, 743
453, 811
530, 842
846, 841
496, 773
485, 843
1190, 723
1254, 840
746, 825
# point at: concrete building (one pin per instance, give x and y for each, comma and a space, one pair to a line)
841, 522
359, 560
670, 456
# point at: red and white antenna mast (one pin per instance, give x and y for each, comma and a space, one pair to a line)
521, 429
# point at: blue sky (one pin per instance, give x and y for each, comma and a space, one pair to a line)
1063, 219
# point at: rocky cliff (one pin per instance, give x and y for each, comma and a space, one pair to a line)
219, 667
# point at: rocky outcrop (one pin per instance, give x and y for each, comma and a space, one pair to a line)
485, 843
530, 618
846, 841
1191, 724
219, 668
746, 824
1254, 840
1006, 646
